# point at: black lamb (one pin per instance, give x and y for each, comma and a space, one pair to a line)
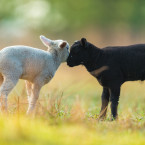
112, 66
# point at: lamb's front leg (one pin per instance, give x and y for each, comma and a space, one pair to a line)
28, 89
105, 101
114, 98
34, 97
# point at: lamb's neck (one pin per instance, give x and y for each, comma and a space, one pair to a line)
57, 63
94, 59
56, 58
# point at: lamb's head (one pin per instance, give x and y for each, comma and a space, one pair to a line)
59, 48
79, 53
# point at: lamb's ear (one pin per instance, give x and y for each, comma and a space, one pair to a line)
83, 42
47, 42
62, 45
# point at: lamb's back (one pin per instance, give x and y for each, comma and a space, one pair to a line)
23, 51
131, 53
130, 59
31, 60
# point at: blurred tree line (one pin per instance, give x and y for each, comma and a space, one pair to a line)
60, 15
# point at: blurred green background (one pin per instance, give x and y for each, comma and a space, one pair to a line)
103, 22
68, 106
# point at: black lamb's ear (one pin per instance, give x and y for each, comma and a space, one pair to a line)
83, 42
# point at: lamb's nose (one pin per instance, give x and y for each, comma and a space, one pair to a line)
67, 60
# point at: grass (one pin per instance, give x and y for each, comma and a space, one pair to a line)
67, 110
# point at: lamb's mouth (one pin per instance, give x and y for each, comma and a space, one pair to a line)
70, 65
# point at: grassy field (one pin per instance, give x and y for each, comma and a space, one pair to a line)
67, 111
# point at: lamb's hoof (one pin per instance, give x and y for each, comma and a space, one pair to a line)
101, 118
114, 118
4, 112
30, 114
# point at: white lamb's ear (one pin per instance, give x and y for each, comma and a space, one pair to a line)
47, 42
62, 44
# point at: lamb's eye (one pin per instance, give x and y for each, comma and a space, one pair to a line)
71, 56
67, 47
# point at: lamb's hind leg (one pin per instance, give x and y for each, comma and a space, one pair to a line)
6, 87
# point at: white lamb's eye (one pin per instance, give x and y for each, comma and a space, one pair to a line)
71, 56
67, 47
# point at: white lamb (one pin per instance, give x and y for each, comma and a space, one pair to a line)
35, 66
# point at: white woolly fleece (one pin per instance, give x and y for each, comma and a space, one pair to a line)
35, 66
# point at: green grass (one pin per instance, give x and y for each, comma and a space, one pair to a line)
24, 131
67, 111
